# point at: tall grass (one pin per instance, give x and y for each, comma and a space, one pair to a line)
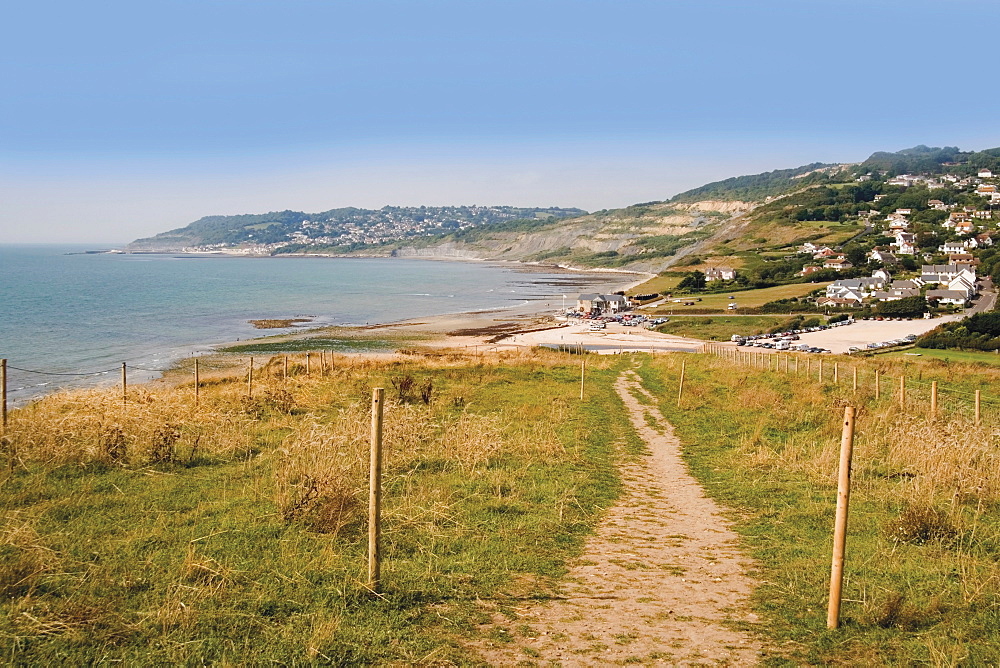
922, 578
231, 530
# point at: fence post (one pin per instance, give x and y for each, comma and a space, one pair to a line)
933, 398
978, 414
197, 381
836, 373
902, 391
820, 376
250, 380
308, 364
877, 388
3, 390
583, 370
855, 387
124, 384
375, 493
840, 525
285, 374
680, 386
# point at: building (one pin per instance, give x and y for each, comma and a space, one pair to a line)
596, 304
720, 274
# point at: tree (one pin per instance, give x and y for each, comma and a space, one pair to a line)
907, 307
693, 280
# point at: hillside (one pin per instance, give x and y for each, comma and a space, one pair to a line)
720, 222
345, 229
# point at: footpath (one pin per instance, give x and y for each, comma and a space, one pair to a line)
662, 582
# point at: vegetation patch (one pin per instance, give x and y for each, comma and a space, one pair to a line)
922, 584
231, 530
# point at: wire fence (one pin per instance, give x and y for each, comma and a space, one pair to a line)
870, 382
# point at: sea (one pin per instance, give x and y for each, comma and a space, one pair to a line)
71, 317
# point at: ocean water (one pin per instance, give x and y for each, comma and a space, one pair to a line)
70, 318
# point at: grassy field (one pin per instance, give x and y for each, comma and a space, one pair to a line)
662, 283
745, 299
720, 327
922, 582
964, 356
232, 531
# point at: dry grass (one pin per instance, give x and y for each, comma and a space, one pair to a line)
924, 528
234, 524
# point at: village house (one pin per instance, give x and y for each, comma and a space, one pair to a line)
958, 259
892, 294
950, 247
839, 263
904, 212
597, 304
897, 222
955, 277
980, 241
720, 274
878, 254
838, 302
956, 297
855, 288
936, 204
982, 215
986, 189
985, 174
904, 244
824, 252
965, 227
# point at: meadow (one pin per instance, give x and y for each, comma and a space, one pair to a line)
922, 582
231, 528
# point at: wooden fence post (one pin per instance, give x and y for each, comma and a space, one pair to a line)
840, 525
124, 384
197, 381
978, 414
308, 363
583, 373
285, 375
3, 390
820, 377
680, 386
836, 373
902, 391
855, 386
375, 493
933, 398
877, 386
250, 380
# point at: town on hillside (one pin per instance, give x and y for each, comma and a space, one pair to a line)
921, 240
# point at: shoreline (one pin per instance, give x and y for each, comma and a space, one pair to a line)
432, 330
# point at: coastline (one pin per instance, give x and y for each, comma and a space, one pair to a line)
542, 303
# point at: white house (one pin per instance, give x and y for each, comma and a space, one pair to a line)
947, 297
720, 274
985, 174
952, 247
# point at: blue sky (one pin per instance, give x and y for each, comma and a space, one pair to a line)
123, 119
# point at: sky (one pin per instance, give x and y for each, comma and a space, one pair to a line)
120, 120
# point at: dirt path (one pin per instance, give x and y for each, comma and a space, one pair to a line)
656, 585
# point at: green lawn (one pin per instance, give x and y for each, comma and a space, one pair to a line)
720, 328
970, 356
745, 299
